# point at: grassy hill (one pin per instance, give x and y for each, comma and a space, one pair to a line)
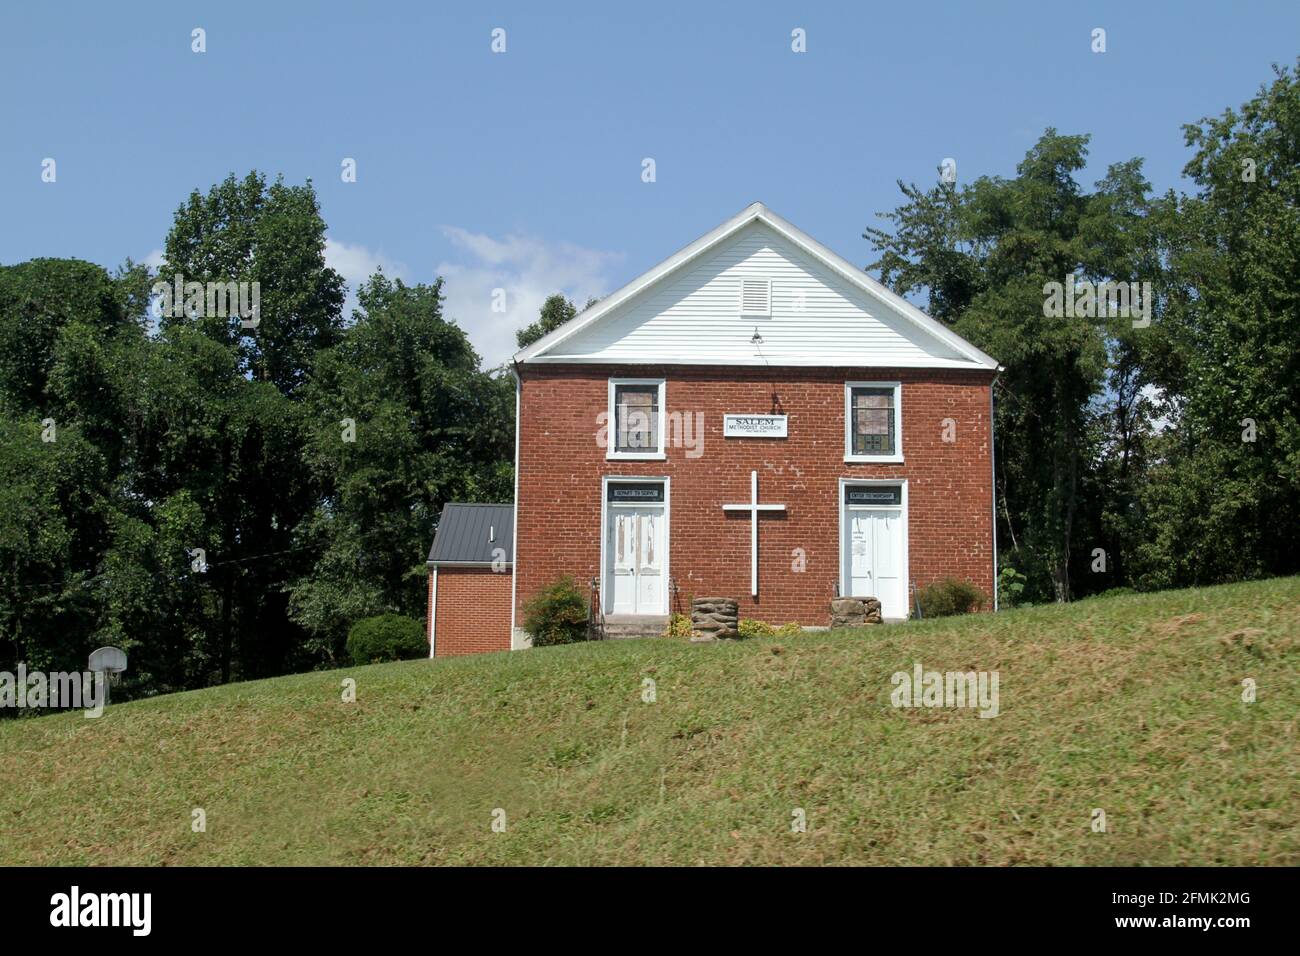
1129, 704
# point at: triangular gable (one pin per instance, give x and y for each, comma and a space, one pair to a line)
824, 310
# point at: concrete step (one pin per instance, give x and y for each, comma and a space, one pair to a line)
635, 625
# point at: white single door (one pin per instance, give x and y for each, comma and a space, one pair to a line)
634, 566
873, 558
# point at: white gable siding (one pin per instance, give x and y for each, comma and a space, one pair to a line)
694, 315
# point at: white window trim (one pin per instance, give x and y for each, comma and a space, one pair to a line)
897, 456
611, 443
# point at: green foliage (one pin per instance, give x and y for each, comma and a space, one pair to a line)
246, 231
1219, 506
679, 626
1011, 585
429, 428
1135, 440
386, 637
1117, 592
949, 597
749, 627
556, 310
39, 300
557, 614
983, 254
204, 436
52, 524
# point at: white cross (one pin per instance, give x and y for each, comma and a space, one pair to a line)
753, 508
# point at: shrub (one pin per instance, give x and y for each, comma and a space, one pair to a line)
1011, 584
386, 637
750, 628
1116, 592
948, 597
557, 614
679, 625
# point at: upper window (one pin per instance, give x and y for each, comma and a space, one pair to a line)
636, 418
873, 421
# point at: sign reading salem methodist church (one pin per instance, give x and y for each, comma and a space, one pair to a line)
754, 426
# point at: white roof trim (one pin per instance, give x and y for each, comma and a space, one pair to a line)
792, 361
756, 212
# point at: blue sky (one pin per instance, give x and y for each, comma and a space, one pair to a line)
522, 170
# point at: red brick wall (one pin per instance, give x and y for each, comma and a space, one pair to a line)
561, 465
473, 611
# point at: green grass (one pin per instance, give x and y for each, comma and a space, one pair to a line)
1131, 704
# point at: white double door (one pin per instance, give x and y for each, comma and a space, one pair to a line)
873, 557
635, 545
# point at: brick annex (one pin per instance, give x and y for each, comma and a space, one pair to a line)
754, 418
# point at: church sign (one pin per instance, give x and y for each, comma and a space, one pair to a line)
754, 426
639, 492
866, 495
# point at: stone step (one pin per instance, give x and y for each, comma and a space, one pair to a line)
635, 625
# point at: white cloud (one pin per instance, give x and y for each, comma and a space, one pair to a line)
356, 264
154, 259
528, 269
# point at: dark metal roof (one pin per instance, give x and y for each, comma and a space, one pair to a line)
470, 534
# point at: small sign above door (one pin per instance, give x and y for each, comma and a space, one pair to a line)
873, 495
635, 492
754, 426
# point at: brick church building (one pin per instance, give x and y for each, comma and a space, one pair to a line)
755, 418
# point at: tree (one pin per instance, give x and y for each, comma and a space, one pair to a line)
178, 493
983, 255
1224, 499
245, 231
39, 299
401, 421
52, 530
555, 311
58, 500
222, 413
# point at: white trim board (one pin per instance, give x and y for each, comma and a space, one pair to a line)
544, 349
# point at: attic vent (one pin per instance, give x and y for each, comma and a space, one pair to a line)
756, 297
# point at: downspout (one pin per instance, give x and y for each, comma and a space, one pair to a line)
433, 608
993, 485
514, 543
